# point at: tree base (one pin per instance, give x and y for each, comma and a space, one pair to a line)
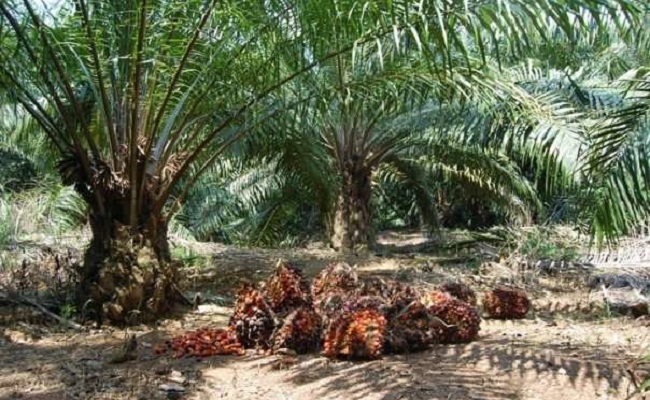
131, 285
350, 229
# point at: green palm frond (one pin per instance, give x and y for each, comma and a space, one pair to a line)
413, 181
178, 84
66, 208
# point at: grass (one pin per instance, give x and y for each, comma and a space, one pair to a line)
50, 209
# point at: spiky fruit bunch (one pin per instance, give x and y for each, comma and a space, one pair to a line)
252, 319
287, 289
506, 303
337, 276
300, 331
394, 292
435, 297
373, 286
204, 342
357, 334
460, 291
358, 303
410, 330
399, 294
463, 318
328, 304
397, 297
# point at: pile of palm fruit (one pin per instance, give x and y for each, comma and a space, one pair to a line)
349, 317
204, 342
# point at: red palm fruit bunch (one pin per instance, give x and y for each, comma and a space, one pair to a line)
300, 331
435, 297
411, 329
409, 322
205, 342
506, 303
395, 294
287, 288
398, 295
252, 319
357, 331
356, 303
373, 286
463, 319
460, 291
329, 303
336, 276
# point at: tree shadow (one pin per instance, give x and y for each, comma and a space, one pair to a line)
487, 369
78, 366
427, 375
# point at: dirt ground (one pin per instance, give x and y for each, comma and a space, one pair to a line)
569, 347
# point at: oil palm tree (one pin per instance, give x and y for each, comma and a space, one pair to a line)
140, 97
410, 118
597, 162
120, 89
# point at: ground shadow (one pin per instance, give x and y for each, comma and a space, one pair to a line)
487, 369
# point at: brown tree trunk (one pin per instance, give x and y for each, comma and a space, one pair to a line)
128, 277
351, 229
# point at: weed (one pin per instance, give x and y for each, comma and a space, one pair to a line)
541, 242
49, 209
68, 311
473, 264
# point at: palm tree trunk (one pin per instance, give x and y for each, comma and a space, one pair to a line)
129, 276
351, 227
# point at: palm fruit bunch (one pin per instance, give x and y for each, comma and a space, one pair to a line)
346, 303
356, 303
204, 342
408, 321
336, 276
332, 287
373, 286
463, 319
252, 319
392, 290
398, 295
410, 325
300, 331
328, 304
411, 329
357, 331
287, 289
460, 291
435, 297
506, 303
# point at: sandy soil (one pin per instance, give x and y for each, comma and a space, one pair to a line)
567, 348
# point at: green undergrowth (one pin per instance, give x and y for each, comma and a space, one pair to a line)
49, 210
555, 242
